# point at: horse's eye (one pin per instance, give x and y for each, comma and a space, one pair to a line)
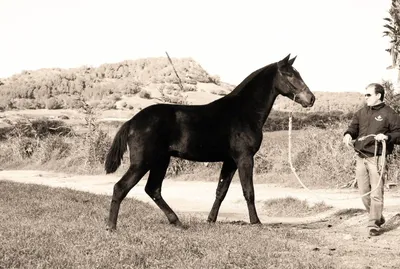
287, 74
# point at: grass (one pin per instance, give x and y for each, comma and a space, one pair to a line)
293, 207
43, 227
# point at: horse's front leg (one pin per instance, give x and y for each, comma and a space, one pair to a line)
228, 170
245, 166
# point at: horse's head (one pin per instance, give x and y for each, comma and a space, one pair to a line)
289, 83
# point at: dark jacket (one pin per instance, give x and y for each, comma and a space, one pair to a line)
379, 119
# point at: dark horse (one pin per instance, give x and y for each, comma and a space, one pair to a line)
228, 130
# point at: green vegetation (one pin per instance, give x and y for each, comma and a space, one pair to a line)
61, 228
337, 102
292, 207
279, 120
318, 154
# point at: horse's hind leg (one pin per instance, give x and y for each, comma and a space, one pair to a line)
228, 170
121, 189
153, 189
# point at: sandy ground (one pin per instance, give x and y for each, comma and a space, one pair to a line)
198, 197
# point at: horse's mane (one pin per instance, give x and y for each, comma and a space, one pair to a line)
252, 76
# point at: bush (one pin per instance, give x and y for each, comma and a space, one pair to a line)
25, 147
215, 79
37, 128
25, 104
189, 88
6, 103
97, 143
135, 87
145, 94
73, 102
116, 97
53, 148
105, 104
53, 103
279, 120
393, 164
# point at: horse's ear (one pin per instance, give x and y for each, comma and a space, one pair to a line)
284, 61
291, 61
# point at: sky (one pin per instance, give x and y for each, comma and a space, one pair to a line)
339, 44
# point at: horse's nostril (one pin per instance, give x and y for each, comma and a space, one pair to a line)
312, 100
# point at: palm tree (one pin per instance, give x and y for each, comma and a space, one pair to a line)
393, 32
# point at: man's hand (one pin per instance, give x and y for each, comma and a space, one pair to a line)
380, 137
347, 140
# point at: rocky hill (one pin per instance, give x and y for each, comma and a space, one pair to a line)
134, 84
128, 84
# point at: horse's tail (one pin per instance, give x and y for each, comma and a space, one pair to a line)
118, 148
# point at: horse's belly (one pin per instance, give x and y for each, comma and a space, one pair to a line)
199, 152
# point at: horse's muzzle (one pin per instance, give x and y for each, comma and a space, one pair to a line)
312, 100
306, 99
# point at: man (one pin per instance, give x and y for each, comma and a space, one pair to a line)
379, 122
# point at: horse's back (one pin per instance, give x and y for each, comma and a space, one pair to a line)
192, 132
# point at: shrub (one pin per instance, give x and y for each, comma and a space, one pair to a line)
135, 87
215, 79
279, 120
145, 94
25, 104
73, 102
52, 148
97, 143
393, 164
37, 128
53, 103
220, 92
25, 147
189, 88
106, 104
116, 97
6, 103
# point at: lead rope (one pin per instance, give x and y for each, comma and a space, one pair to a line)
383, 163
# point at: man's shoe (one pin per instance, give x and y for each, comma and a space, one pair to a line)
374, 231
381, 221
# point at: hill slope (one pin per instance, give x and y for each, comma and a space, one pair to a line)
152, 79
135, 84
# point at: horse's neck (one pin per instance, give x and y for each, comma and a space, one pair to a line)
258, 103
256, 95
265, 105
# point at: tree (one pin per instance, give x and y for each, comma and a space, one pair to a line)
393, 32
391, 97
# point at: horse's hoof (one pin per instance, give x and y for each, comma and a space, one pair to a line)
179, 225
211, 220
111, 229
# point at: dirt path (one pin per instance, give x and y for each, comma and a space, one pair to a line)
197, 197
343, 229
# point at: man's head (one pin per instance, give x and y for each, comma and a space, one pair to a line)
375, 94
